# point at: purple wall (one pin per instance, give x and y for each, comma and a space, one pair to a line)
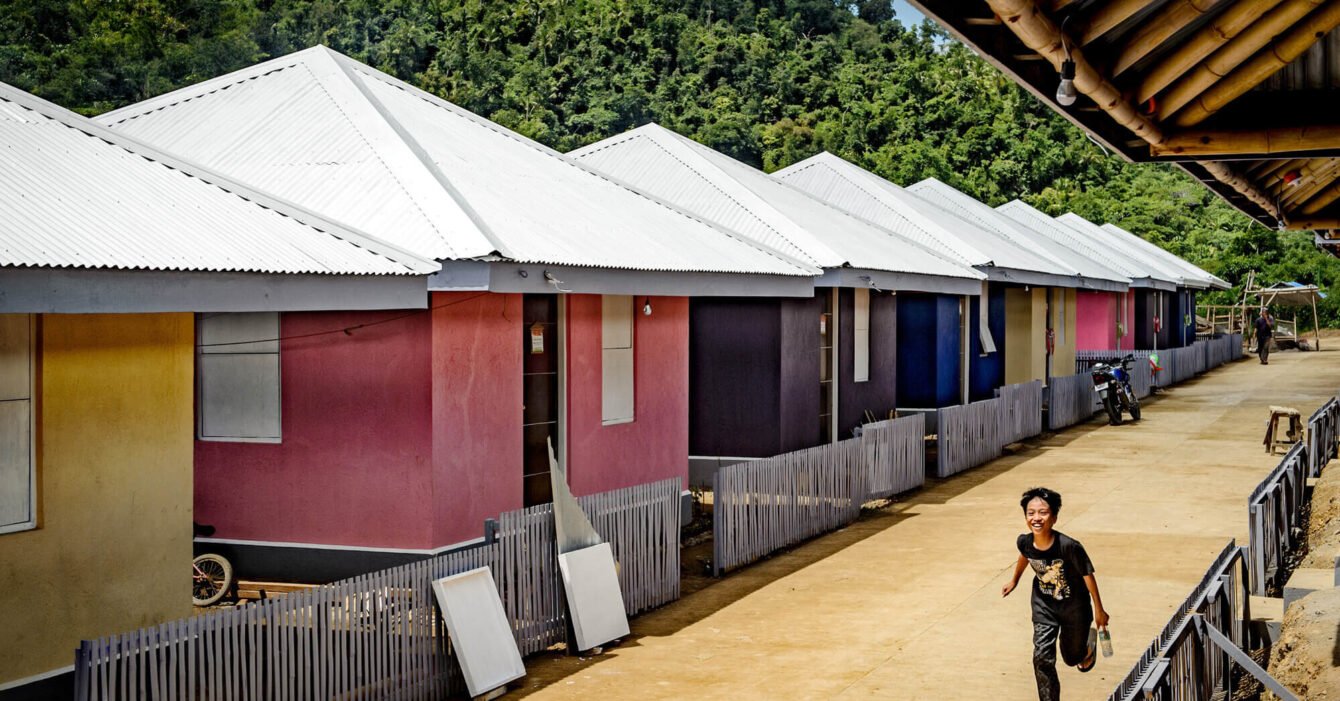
878, 394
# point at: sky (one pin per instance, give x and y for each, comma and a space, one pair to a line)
907, 14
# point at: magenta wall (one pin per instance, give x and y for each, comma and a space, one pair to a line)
477, 343
655, 444
352, 467
1096, 319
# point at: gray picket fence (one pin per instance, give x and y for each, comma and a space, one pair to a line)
1274, 510
895, 453
1182, 664
1021, 416
762, 506
1321, 436
379, 635
1071, 400
968, 435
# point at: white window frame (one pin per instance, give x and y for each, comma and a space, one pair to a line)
860, 366
618, 361
201, 352
32, 401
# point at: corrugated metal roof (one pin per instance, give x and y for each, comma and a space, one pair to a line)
979, 212
347, 140
1076, 240
74, 194
740, 197
1195, 272
1155, 267
877, 200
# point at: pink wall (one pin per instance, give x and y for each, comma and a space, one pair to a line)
352, 467
655, 444
1097, 314
476, 413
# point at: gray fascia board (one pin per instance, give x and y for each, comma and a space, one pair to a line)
898, 282
513, 277
1029, 277
99, 291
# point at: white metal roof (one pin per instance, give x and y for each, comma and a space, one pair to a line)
1196, 273
879, 201
982, 214
1155, 267
737, 196
360, 146
74, 194
1078, 241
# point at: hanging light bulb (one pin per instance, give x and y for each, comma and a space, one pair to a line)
1065, 92
646, 307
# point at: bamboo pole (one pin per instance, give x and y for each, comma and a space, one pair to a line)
1283, 51
1319, 202
1038, 32
1319, 223
1225, 174
1106, 18
1304, 192
1196, 47
1233, 52
1316, 325
1157, 29
1309, 169
1233, 142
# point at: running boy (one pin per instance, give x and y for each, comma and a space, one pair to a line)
1060, 608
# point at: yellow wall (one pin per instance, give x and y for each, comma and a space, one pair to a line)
114, 462
1025, 334
1063, 358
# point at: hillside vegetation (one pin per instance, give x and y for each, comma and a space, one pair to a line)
769, 83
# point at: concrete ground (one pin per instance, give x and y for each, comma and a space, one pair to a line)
905, 604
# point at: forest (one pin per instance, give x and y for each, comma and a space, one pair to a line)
768, 82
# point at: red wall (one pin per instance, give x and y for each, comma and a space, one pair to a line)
1096, 317
655, 445
352, 467
476, 413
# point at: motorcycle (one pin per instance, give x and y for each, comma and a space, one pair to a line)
1112, 382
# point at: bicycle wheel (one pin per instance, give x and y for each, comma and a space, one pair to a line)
211, 578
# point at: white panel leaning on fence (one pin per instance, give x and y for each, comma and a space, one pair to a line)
379, 635
480, 633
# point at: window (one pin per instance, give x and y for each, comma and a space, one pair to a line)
861, 352
18, 477
239, 377
616, 359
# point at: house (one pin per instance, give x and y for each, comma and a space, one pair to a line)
773, 375
108, 250
561, 314
1194, 279
1022, 277
1067, 317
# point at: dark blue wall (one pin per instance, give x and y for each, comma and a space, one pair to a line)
879, 393
928, 350
986, 373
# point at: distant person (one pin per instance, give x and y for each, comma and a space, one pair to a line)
1265, 328
1060, 608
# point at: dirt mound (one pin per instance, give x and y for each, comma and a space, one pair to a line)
1306, 659
1323, 532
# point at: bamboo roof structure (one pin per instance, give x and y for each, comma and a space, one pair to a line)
1242, 94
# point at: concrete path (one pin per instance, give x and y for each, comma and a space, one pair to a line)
905, 604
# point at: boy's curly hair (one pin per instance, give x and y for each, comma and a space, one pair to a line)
1053, 499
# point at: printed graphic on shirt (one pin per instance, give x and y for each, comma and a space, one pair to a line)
1051, 578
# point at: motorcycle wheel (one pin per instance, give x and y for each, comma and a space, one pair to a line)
1134, 407
1113, 411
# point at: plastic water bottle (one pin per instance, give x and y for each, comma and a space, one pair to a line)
1105, 641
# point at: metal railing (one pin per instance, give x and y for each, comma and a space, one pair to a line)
1274, 514
1321, 436
1021, 415
762, 506
1182, 663
379, 635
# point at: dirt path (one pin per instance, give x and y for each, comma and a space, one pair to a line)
905, 604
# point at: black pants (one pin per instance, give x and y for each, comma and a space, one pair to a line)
1263, 348
1069, 623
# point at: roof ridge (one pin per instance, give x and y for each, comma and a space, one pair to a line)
411, 261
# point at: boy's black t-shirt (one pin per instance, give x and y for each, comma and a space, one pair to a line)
1058, 571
